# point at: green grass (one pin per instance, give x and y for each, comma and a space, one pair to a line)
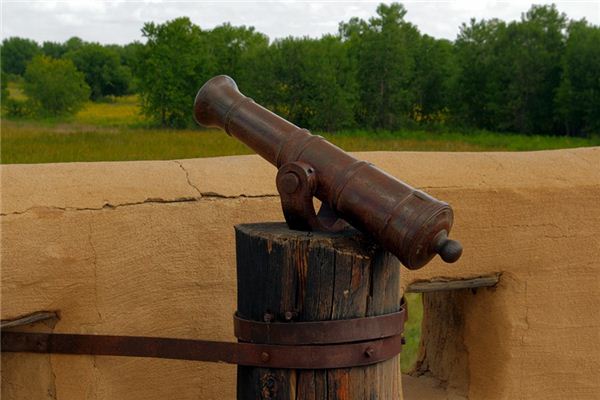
474, 140
82, 139
120, 111
27, 142
412, 331
115, 132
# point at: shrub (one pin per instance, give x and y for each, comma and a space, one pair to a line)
55, 87
15, 107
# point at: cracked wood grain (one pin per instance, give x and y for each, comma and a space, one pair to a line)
437, 284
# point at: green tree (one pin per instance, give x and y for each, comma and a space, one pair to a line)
435, 71
16, 53
129, 58
578, 96
384, 51
74, 43
129, 54
55, 87
54, 49
508, 74
102, 68
480, 80
533, 48
308, 81
175, 61
3, 87
230, 44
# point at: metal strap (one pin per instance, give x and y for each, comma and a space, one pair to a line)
320, 332
250, 354
296, 345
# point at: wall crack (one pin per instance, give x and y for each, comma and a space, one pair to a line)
95, 266
187, 177
110, 206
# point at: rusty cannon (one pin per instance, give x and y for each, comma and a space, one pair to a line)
407, 222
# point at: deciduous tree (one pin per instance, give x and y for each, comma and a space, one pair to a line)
16, 53
102, 69
55, 87
578, 97
175, 61
383, 49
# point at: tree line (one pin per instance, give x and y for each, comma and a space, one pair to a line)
537, 75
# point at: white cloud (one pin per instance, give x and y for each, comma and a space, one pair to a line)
121, 21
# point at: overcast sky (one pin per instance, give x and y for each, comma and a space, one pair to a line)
120, 21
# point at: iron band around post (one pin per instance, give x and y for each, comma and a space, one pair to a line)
296, 345
320, 332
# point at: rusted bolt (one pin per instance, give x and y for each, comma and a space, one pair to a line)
289, 315
369, 352
268, 317
289, 183
264, 356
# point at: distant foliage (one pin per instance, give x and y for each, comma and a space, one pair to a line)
179, 57
12, 107
3, 86
234, 47
383, 49
54, 49
175, 61
578, 97
508, 74
55, 87
16, 53
537, 75
310, 82
101, 65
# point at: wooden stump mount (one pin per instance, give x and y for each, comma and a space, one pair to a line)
286, 275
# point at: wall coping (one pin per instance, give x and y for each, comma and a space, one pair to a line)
97, 185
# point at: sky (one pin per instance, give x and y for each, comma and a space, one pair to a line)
120, 21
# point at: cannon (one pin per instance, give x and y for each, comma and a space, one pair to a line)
407, 222
341, 324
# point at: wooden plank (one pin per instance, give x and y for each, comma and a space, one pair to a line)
438, 284
28, 319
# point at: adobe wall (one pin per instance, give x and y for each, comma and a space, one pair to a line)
147, 248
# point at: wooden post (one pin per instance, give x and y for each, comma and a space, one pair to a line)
315, 277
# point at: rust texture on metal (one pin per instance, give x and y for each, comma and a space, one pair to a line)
320, 332
250, 354
409, 223
301, 345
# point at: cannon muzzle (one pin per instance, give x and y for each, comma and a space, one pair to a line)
407, 222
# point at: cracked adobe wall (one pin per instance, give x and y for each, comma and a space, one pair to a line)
146, 248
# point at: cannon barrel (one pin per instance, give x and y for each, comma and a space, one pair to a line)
407, 222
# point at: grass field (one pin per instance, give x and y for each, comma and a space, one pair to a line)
412, 331
116, 131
